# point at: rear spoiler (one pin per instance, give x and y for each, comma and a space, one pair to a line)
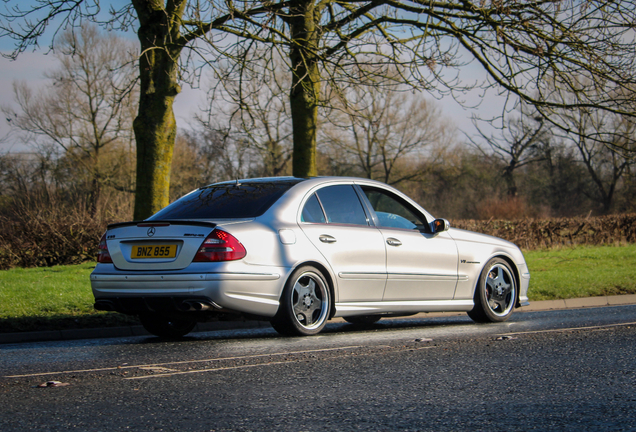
147, 223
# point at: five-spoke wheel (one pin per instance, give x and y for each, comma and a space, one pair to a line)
305, 303
495, 294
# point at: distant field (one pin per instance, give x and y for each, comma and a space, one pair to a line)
60, 296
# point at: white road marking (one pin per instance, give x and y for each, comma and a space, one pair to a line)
597, 327
180, 362
214, 369
256, 365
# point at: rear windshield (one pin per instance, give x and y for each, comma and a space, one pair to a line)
229, 200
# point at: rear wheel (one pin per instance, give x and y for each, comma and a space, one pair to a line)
363, 319
165, 327
496, 293
305, 304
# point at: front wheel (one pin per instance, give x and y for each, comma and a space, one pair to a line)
305, 304
495, 294
165, 327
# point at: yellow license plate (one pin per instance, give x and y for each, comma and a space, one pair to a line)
154, 251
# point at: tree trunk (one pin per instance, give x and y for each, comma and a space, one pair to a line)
94, 195
305, 88
155, 126
95, 188
509, 179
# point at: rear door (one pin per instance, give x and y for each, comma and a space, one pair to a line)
334, 220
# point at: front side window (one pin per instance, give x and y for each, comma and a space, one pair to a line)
391, 211
342, 205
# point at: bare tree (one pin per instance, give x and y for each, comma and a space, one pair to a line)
336, 44
86, 109
605, 164
21, 173
228, 158
384, 133
526, 48
254, 114
197, 161
523, 140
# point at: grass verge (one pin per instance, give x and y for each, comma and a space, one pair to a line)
586, 271
60, 297
51, 298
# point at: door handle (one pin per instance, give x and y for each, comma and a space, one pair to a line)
327, 238
393, 241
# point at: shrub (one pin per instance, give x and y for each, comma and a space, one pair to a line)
547, 233
45, 238
40, 231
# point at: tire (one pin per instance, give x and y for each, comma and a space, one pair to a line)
165, 327
305, 304
495, 294
363, 319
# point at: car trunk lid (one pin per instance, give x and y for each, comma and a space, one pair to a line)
156, 245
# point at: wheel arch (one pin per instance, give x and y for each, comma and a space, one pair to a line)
328, 277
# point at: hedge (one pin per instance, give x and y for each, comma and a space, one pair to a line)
37, 239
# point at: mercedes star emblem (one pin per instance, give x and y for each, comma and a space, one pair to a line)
151, 231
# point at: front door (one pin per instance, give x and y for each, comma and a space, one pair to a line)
420, 265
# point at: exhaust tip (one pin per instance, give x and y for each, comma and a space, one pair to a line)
197, 306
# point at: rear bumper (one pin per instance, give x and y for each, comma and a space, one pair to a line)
247, 293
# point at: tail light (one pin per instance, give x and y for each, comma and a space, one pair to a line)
103, 256
220, 246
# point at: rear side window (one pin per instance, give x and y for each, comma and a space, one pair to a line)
227, 201
312, 212
342, 205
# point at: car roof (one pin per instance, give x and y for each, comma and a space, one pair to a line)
308, 181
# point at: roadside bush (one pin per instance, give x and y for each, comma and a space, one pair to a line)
547, 233
43, 231
45, 238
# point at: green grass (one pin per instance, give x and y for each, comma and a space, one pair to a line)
581, 272
60, 297
62, 290
57, 297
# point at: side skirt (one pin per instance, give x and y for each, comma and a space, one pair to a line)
399, 307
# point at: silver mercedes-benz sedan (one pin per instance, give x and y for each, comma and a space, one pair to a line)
298, 252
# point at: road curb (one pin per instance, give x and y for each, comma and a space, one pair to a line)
578, 303
137, 330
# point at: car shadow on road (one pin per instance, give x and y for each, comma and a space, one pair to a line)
340, 328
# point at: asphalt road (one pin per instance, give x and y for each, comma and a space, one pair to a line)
556, 370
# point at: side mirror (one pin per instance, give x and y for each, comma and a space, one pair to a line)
440, 225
